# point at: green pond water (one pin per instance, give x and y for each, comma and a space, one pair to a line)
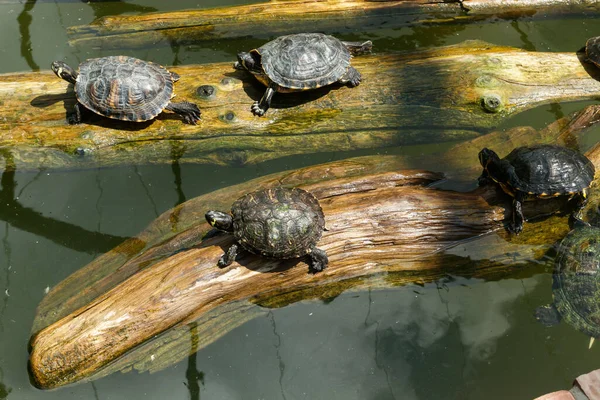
457, 338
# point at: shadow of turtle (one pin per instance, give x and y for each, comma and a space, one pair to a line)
89, 117
255, 90
245, 258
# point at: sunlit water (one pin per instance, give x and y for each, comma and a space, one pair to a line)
456, 339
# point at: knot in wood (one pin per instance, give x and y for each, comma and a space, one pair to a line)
81, 151
206, 91
229, 116
492, 103
486, 81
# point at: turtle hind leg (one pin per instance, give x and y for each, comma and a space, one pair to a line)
547, 315
318, 259
228, 257
188, 111
356, 48
259, 108
352, 77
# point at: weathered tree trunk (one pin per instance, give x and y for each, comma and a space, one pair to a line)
292, 16
384, 229
435, 95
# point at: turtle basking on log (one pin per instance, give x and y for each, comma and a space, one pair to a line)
538, 172
303, 61
124, 88
279, 222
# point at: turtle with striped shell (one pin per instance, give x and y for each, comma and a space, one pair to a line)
124, 88
300, 62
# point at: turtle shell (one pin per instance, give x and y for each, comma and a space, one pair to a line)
304, 60
576, 280
592, 50
124, 88
549, 170
278, 222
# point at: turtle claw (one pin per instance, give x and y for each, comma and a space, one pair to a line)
257, 110
516, 228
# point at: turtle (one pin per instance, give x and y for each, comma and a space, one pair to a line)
576, 282
278, 222
592, 50
537, 172
301, 61
124, 88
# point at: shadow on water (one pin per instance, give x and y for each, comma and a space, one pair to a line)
59, 232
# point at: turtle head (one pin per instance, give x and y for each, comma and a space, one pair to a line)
486, 156
220, 220
249, 61
63, 71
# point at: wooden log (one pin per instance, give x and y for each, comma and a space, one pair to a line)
404, 233
435, 95
292, 16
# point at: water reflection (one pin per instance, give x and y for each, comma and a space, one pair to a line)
103, 8
24, 19
4, 390
192, 375
62, 233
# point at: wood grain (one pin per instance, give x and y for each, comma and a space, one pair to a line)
449, 93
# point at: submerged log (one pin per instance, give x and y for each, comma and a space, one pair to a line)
436, 95
292, 16
405, 232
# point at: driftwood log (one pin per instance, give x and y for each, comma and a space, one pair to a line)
448, 93
292, 16
163, 285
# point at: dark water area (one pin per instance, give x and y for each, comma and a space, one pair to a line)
457, 338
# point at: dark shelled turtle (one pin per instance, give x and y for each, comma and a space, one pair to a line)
576, 283
538, 172
278, 222
592, 50
124, 88
299, 62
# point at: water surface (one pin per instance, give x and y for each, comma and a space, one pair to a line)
457, 338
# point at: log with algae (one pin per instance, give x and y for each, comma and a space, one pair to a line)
293, 16
405, 232
442, 94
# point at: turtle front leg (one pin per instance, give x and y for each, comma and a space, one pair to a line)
318, 260
229, 256
517, 214
484, 178
75, 117
260, 107
188, 111
352, 77
580, 200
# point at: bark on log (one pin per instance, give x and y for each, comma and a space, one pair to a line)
435, 95
292, 16
404, 233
